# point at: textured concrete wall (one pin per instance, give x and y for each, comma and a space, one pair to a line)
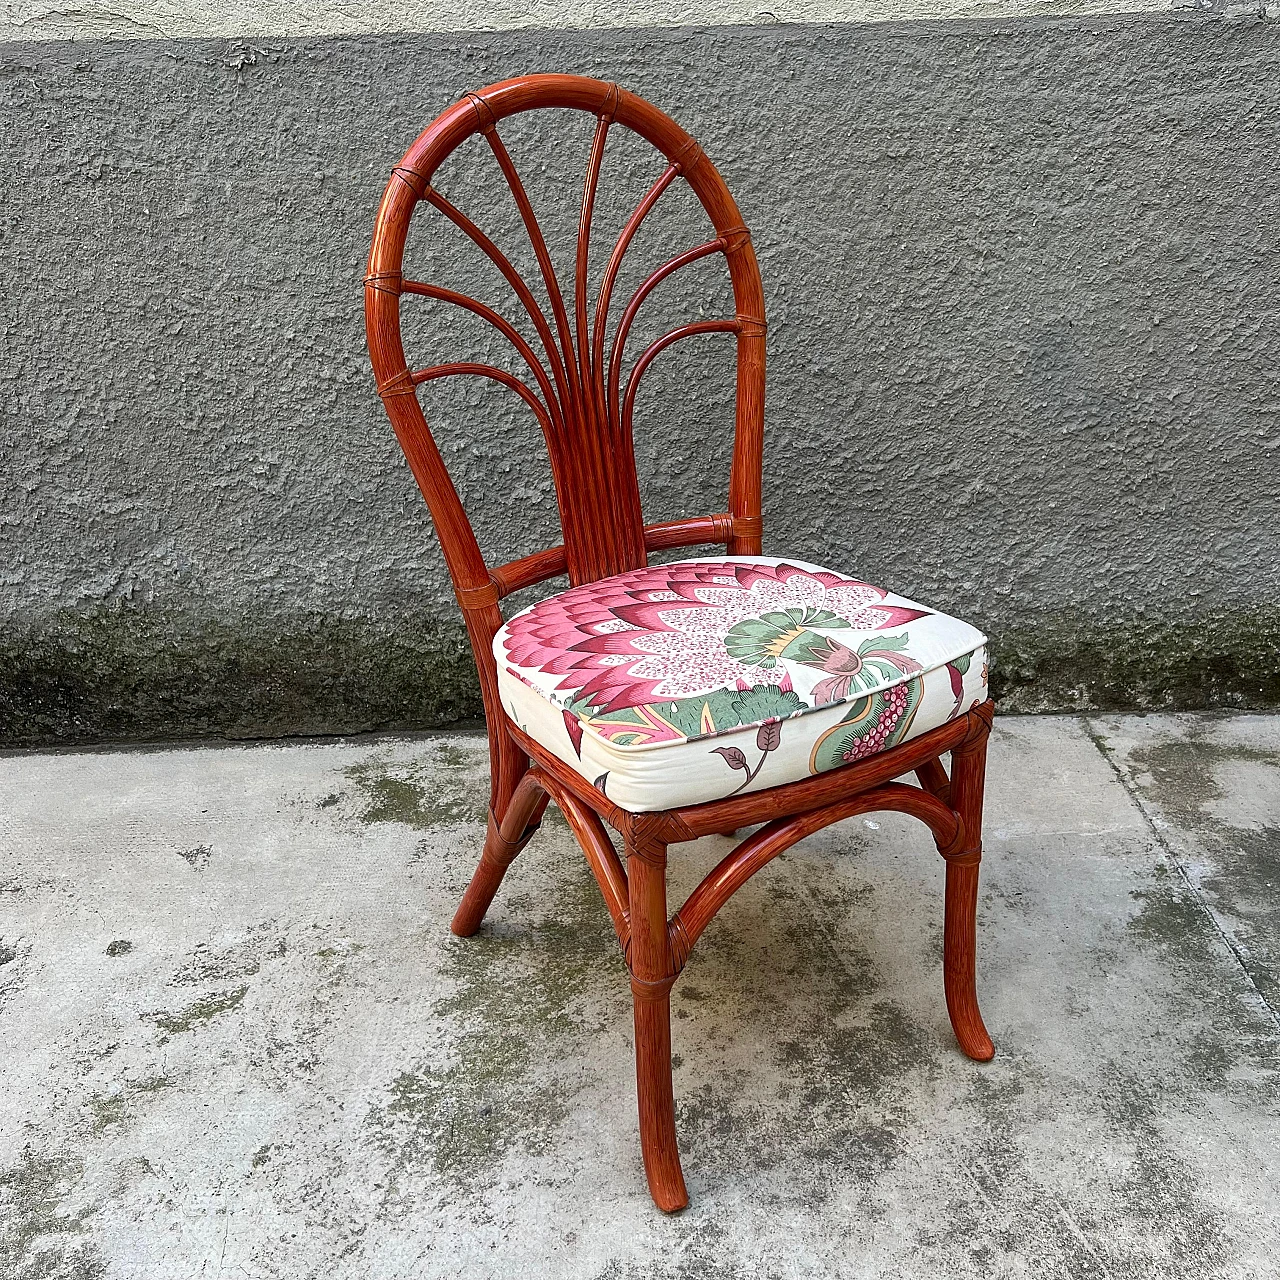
113, 20
1020, 276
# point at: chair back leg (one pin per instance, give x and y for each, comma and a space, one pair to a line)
502, 842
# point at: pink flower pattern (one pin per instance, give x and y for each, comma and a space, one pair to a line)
659, 632
896, 704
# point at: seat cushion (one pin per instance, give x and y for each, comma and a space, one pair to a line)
681, 683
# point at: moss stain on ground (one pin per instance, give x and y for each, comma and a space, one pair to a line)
38, 1239
199, 1012
450, 784
109, 1109
527, 999
1240, 877
13, 955
243, 958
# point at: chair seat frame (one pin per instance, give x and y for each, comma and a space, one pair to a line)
585, 415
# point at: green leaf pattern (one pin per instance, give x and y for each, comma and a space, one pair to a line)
759, 641
724, 709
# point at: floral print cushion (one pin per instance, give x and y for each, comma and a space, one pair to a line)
680, 683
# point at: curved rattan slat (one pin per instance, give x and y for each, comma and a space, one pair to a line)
933, 778
539, 243
437, 371
528, 571
512, 277
655, 349
621, 245
636, 301
765, 844
503, 326
589, 185
595, 458
598, 848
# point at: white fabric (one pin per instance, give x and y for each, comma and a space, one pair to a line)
677, 684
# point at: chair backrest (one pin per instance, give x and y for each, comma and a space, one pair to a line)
578, 396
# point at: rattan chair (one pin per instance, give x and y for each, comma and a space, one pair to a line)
676, 700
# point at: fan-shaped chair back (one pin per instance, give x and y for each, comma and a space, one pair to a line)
575, 382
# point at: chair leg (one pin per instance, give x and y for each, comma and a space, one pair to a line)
959, 935
502, 842
933, 778
959, 940
652, 975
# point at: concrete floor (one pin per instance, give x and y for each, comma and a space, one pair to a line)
239, 1040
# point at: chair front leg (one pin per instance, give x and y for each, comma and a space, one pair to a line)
653, 973
959, 937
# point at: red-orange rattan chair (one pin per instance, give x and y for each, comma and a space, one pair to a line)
584, 411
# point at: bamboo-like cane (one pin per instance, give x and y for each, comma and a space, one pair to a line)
586, 419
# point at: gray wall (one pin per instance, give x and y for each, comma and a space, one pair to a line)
1022, 290
252, 19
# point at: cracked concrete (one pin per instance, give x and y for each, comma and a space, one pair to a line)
241, 1041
